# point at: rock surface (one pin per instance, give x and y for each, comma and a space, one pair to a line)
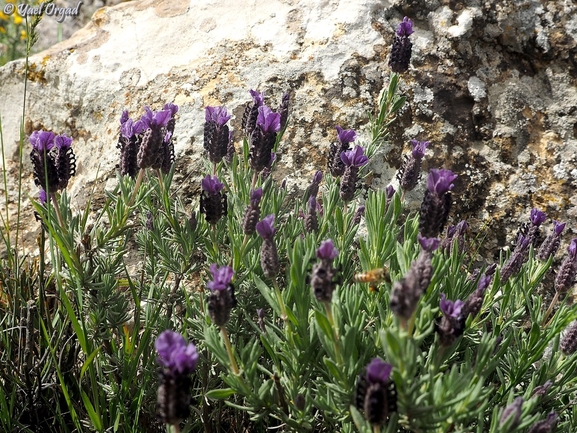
492, 85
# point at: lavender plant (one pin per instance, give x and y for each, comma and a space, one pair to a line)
287, 336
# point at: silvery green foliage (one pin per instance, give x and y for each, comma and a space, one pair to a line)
279, 356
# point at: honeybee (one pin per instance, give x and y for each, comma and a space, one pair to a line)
374, 277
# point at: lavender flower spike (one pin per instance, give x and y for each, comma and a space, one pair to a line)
152, 152
311, 218
551, 243
402, 47
314, 186
353, 160
269, 260
452, 324
213, 203
177, 359
221, 300
567, 271
410, 172
252, 212
216, 133
568, 343
437, 202
513, 265
323, 273
335, 163
375, 392
53, 160
511, 414
545, 426
250, 114
263, 138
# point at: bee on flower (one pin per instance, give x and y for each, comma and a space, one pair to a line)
374, 277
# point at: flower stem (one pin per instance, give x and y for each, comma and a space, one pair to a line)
278, 294
233, 364
335, 332
136, 187
550, 309
58, 213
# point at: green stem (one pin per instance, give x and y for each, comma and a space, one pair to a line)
278, 294
58, 213
550, 309
233, 363
136, 187
335, 332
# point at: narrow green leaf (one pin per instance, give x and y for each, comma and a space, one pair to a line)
220, 394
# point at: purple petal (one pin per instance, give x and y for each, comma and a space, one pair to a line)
461, 227
255, 196
166, 343
537, 217
218, 115
265, 227
175, 353
124, 117
355, 157
346, 136
268, 120
428, 244
173, 108
390, 191
572, 249
440, 181
450, 308
484, 282
558, 227
42, 140
419, 148
327, 250
312, 203
318, 177
211, 185
257, 97
42, 196
221, 277
405, 28
161, 118
62, 141
378, 371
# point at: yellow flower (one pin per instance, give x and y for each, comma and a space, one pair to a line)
3, 16
17, 19
23, 35
2, 29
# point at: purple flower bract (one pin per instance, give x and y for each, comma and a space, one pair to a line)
175, 354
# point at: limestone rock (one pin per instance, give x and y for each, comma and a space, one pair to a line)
492, 85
